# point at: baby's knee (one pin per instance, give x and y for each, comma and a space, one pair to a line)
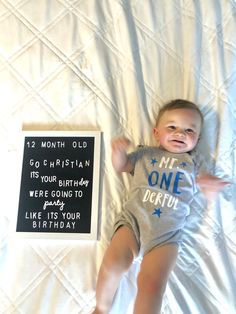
152, 285
118, 261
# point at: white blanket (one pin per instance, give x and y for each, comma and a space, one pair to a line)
110, 65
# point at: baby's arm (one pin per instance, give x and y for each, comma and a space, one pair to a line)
210, 185
119, 155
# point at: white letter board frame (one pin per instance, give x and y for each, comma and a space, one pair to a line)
94, 136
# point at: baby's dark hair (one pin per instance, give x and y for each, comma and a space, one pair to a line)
178, 104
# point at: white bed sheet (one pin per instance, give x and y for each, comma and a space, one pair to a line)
110, 65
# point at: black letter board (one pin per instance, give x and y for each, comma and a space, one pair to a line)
59, 185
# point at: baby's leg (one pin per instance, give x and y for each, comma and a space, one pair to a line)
154, 272
117, 259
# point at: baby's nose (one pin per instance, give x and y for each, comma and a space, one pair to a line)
180, 132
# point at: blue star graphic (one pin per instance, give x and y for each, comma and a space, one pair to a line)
183, 164
153, 161
157, 211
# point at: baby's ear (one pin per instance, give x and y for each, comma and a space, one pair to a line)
155, 131
156, 134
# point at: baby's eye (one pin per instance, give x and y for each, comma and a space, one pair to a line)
189, 131
171, 127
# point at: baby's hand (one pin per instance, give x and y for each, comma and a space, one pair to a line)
211, 185
120, 144
119, 155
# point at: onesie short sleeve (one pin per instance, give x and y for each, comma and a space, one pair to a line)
199, 163
136, 155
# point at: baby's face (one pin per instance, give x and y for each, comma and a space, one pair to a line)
178, 130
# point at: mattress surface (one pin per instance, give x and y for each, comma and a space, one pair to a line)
110, 65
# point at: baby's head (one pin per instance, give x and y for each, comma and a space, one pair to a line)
178, 126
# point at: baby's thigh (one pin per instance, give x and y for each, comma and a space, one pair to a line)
157, 265
124, 242
121, 251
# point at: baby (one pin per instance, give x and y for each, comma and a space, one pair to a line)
164, 181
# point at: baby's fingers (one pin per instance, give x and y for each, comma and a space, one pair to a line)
121, 143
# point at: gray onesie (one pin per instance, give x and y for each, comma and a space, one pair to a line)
162, 188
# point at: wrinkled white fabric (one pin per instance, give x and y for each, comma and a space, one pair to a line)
110, 65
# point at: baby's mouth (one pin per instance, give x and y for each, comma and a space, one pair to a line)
178, 141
